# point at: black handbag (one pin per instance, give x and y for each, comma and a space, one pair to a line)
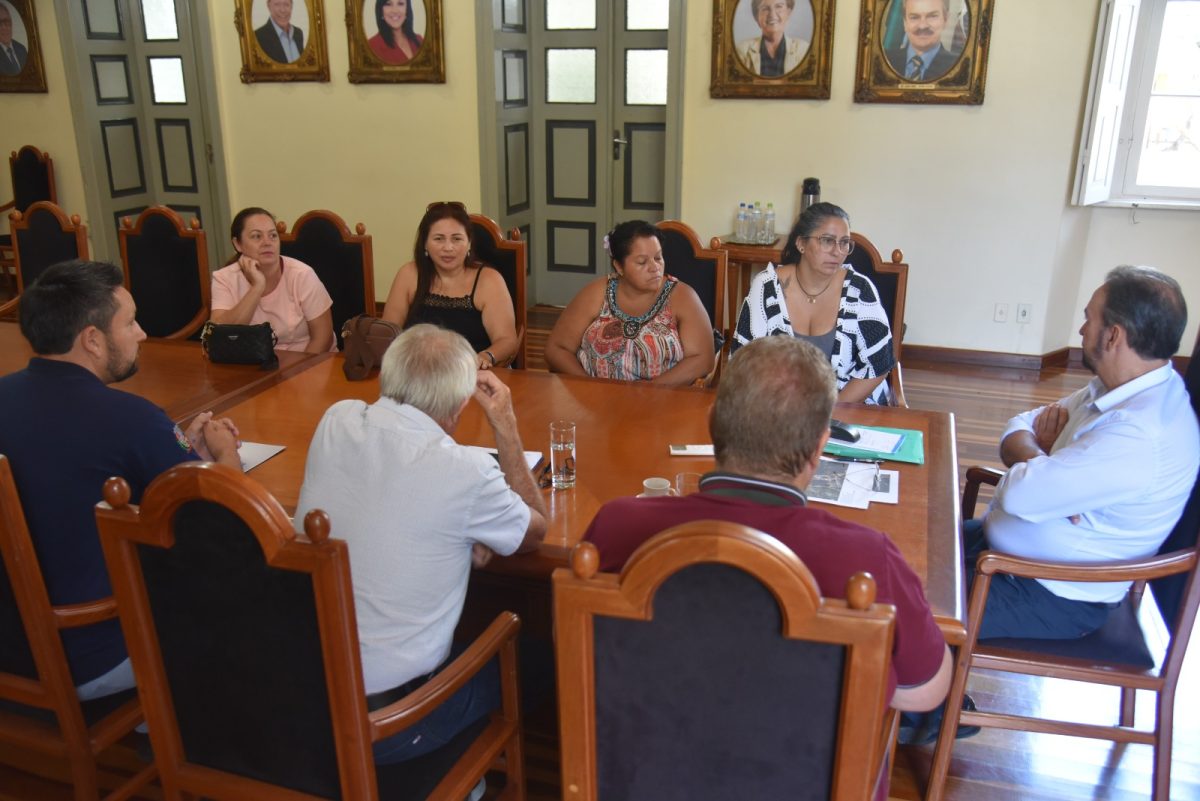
240, 344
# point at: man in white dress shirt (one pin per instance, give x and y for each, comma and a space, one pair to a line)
416, 509
1101, 475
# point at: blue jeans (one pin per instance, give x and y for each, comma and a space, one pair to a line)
476, 698
1023, 607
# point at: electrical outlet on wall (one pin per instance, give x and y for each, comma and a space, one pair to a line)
1001, 313
1024, 312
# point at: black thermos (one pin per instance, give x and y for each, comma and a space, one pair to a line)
810, 194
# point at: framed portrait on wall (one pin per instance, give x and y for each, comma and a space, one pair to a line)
923, 51
771, 48
282, 40
395, 41
21, 68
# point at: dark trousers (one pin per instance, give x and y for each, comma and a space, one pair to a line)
1023, 607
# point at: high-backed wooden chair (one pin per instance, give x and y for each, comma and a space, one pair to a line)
39, 709
42, 236
341, 259
166, 271
32, 180
891, 279
1118, 655
701, 268
508, 256
244, 641
711, 667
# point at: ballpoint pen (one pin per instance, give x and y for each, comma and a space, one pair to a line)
854, 460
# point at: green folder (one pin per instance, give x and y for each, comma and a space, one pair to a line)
911, 448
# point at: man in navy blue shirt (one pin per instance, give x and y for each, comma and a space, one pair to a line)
65, 432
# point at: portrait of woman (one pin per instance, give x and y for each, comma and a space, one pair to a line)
397, 41
772, 36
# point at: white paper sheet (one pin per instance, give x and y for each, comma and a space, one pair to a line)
875, 441
690, 450
252, 454
531, 457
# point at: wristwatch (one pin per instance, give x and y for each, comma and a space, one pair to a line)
491, 356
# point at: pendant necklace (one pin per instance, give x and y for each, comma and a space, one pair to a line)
630, 325
811, 297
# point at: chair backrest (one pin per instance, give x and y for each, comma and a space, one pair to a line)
890, 278
1169, 592
43, 236
508, 256
33, 663
714, 651
243, 637
166, 271
701, 268
343, 261
32, 177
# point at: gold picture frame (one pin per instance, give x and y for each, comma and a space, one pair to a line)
414, 55
956, 72
740, 48
263, 55
28, 73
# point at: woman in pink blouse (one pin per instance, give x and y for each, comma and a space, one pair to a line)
639, 324
263, 286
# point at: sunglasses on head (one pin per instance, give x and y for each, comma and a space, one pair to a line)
454, 204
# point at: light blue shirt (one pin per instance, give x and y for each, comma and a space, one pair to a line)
926, 59
289, 44
1125, 463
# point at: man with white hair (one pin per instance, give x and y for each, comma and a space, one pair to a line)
416, 508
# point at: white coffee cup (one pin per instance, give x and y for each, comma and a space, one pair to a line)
655, 487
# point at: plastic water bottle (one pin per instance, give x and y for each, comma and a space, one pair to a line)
769, 225
756, 221
739, 230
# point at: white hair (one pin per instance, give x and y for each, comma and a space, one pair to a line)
430, 368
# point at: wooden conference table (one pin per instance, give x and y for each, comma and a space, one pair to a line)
622, 434
175, 375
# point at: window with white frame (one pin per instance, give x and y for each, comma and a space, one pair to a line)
1141, 136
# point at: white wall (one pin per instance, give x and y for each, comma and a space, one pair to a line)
975, 196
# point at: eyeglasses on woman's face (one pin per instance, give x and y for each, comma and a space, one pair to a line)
830, 243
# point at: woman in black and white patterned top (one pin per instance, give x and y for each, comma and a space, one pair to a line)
794, 299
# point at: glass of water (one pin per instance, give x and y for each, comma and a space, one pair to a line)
562, 454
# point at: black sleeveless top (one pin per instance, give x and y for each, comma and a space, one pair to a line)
456, 314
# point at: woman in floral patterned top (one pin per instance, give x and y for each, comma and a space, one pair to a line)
638, 324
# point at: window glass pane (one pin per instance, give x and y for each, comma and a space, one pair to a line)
570, 75
103, 19
646, 77
166, 80
1171, 148
159, 18
646, 15
570, 15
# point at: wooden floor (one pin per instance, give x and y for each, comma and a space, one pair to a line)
995, 764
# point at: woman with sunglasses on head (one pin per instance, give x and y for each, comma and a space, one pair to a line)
261, 285
638, 324
444, 286
814, 296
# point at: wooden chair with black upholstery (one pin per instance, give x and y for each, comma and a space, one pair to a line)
703, 269
244, 641
39, 709
32, 181
711, 667
891, 279
166, 271
42, 236
1127, 652
342, 260
509, 257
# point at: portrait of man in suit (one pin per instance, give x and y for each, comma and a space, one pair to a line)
921, 56
12, 53
279, 38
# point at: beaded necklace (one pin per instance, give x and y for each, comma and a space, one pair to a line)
630, 326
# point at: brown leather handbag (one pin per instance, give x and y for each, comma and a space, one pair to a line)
365, 340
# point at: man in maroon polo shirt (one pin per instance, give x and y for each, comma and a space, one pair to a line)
768, 425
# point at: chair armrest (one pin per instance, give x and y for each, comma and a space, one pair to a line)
71, 616
1152, 567
975, 477
397, 716
896, 385
12, 204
